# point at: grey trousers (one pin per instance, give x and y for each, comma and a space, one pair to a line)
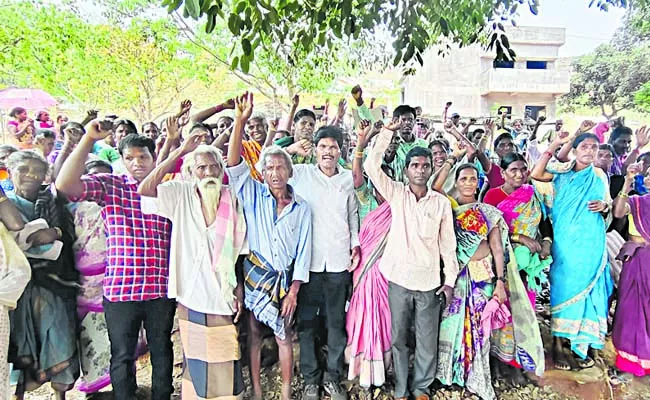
423, 310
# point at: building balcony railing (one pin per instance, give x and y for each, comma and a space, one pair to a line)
504, 80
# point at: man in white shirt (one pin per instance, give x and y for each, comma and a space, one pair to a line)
208, 234
329, 190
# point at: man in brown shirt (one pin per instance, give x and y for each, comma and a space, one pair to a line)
421, 232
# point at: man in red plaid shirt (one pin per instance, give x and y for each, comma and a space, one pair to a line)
135, 282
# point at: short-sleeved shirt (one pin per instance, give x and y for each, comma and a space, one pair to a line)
137, 244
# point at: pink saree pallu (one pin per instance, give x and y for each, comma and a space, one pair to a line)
368, 318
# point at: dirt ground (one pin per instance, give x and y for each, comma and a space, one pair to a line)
590, 384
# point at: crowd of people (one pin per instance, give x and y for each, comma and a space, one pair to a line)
402, 247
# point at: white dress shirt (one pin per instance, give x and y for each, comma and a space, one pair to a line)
335, 215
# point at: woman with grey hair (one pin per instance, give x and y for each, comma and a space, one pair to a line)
44, 323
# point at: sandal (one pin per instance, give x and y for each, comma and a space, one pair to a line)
586, 363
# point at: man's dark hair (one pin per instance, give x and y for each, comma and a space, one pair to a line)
45, 133
418, 151
15, 111
643, 156
139, 141
131, 126
440, 143
581, 138
201, 125
98, 164
329, 131
502, 137
618, 132
610, 148
403, 110
304, 113
465, 166
226, 117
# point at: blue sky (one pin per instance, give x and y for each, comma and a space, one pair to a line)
586, 28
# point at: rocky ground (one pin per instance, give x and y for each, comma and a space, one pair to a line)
591, 384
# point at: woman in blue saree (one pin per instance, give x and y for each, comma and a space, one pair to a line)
580, 278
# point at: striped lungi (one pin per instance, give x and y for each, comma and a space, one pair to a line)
212, 367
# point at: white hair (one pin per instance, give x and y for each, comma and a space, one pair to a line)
274, 151
190, 160
19, 158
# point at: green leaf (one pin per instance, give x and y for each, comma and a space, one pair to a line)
246, 46
193, 8
240, 7
234, 63
245, 65
212, 22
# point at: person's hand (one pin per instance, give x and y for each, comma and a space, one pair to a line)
458, 151
363, 133
489, 126
500, 292
99, 130
597, 206
183, 120
355, 257
343, 106
546, 249
448, 292
449, 103
289, 304
302, 147
273, 123
393, 125
541, 120
532, 244
191, 143
172, 125
472, 121
560, 140
634, 170
72, 135
238, 305
295, 101
642, 137
376, 128
43, 236
586, 126
244, 106
91, 114
357, 94
186, 106
228, 104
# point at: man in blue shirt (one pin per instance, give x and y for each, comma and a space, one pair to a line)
279, 238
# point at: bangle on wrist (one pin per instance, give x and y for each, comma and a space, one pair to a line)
515, 237
59, 232
547, 239
548, 153
3, 198
501, 278
623, 195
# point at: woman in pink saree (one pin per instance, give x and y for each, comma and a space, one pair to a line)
368, 318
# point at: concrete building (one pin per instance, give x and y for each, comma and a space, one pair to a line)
478, 86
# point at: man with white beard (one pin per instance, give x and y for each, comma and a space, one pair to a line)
208, 233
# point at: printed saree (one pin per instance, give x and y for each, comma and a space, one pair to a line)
463, 350
580, 279
631, 335
368, 318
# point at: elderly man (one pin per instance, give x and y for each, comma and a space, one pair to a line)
279, 236
329, 190
208, 232
421, 233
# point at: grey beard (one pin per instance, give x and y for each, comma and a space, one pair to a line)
210, 190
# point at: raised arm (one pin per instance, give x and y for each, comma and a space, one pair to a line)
621, 207
441, 175
9, 214
71, 138
585, 126
364, 134
208, 112
149, 186
68, 181
539, 170
90, 115
295, 101
642, 140
243, 111
384, 185
486, 164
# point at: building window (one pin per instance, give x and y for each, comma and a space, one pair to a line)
535, 64
507, 110
503, 64
535, 112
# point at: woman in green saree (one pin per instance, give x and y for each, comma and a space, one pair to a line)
490, 312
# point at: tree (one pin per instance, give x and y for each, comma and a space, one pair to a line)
141, 68
609, 78
316, 26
